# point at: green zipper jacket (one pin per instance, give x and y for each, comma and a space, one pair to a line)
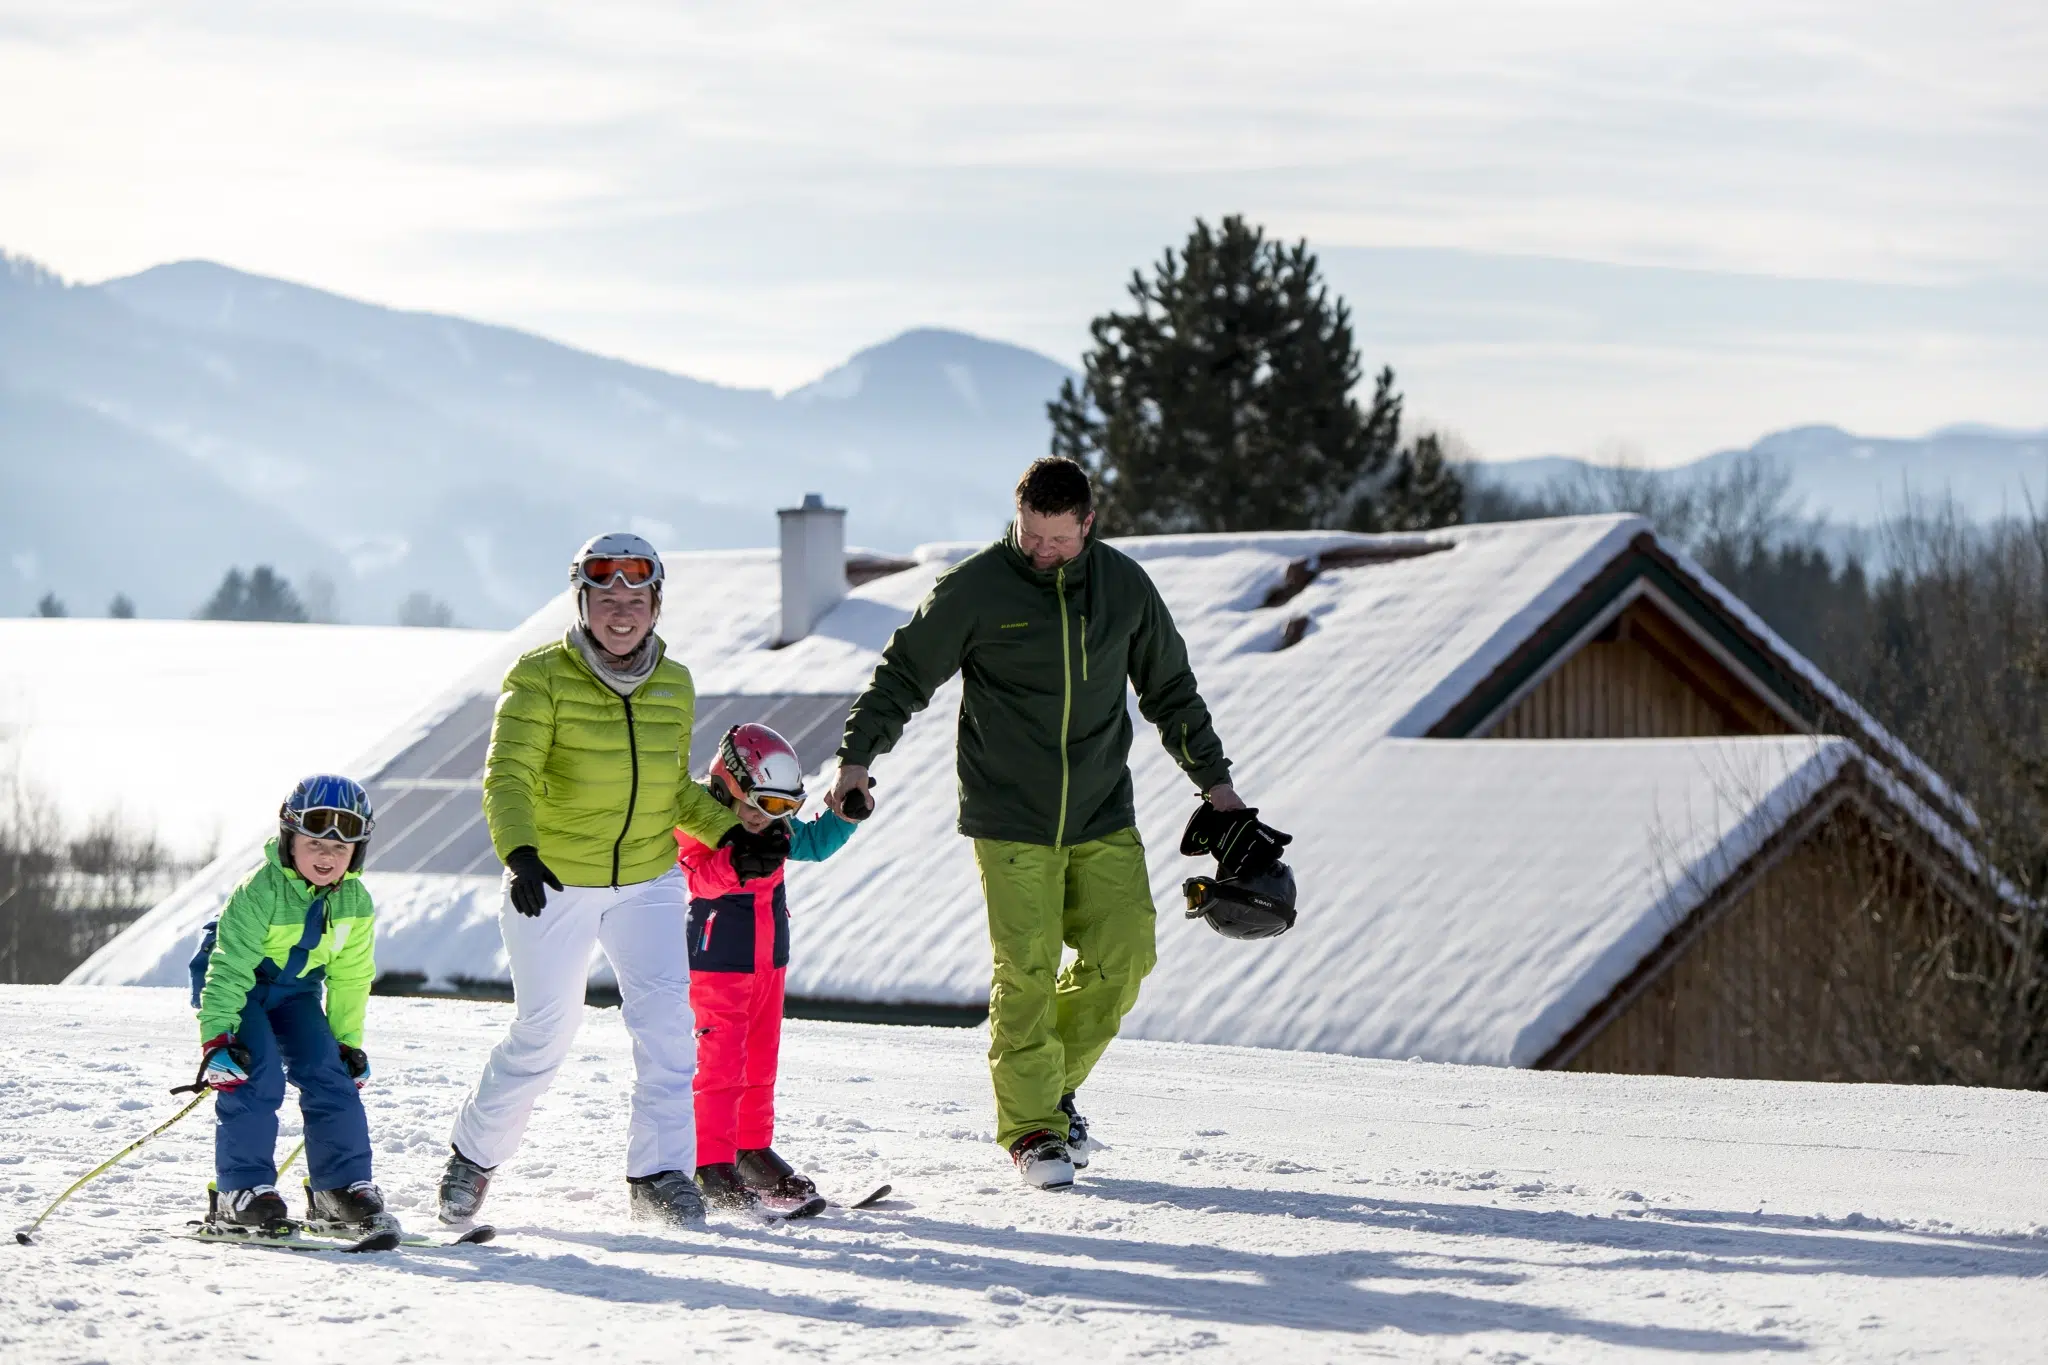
1045, 727
596, 782
264, 920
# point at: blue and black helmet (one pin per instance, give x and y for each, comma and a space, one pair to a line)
328, 806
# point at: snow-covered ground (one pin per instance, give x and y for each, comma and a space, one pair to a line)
1256, 1205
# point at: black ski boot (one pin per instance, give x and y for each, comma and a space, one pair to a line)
781, 1189
260, 1208
350, 1208
669, 1197
724, 1190
463, 1186
1079, 1145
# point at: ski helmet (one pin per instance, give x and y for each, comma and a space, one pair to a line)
327, 806
759, 767
1256, 905
614, 557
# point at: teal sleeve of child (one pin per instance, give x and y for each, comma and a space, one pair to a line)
820, 839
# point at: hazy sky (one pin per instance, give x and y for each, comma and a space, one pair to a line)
749, 192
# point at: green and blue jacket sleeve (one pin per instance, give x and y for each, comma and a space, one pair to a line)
352, 969
816, 840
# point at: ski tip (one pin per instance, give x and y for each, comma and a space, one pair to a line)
477, 1236
875, 1196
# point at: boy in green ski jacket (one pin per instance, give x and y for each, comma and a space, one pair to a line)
301, 920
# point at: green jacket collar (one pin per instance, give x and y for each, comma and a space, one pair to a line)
1077, 568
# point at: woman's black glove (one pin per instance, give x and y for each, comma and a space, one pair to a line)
530, 879
1242, 844
755, 856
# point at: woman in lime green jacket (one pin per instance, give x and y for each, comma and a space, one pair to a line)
585, 784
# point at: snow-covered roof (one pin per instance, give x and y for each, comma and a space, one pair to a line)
1461, 900
194, 730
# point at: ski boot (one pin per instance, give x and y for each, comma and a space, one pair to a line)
780, 1188
355, 1213
723, 1189
1079, 1145
258, 1210
357, 1208
1043, 1160
670, 1197
463, 1186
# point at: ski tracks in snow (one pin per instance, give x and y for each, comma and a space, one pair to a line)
1252, 1206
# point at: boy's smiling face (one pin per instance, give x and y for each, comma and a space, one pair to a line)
321, 861
753, 817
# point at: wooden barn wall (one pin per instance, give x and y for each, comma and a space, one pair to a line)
1625, 686
1814, 974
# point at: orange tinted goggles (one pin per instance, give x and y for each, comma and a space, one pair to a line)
601, 571
775, 805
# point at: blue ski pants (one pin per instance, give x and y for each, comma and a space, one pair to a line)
285, 1029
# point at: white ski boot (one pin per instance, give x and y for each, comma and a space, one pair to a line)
1043, 1160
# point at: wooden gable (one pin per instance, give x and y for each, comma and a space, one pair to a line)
1642, 676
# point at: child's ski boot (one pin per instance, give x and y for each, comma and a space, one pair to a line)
258, 1210
670, 1197
724, 1190
355, 1211
782, 1191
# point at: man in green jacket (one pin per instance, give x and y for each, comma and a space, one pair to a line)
1047, 627
585, 783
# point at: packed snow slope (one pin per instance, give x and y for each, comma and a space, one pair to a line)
1254, 1206
194, 730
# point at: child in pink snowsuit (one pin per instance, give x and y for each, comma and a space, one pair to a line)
739, 951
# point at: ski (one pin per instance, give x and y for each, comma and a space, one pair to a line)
870, 1199
292, 1238
783, 1210
476, 1236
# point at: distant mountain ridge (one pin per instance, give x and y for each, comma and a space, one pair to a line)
156, 429
1861, 480
204, 417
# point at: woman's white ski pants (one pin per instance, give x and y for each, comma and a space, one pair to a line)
644, 929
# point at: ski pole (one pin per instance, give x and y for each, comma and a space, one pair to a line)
22, 1235
290, 1159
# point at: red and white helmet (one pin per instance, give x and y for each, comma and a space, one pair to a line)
761, 768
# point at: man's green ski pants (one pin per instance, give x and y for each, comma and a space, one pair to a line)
1047, 1028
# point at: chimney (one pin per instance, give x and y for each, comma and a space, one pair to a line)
813, 564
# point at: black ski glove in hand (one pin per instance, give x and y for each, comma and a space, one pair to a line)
755, 856
1243, 844
530, 879
358, 1063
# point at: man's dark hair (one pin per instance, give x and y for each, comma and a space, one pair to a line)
1054, 486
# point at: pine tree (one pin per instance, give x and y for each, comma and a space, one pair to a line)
51, 606
1223, 402
121, 609
263, 595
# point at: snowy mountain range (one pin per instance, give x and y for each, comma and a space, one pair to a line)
157, 429
1859, 481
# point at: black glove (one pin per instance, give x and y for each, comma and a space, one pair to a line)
529, 874
755, 856
1242, 844
358, 1063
